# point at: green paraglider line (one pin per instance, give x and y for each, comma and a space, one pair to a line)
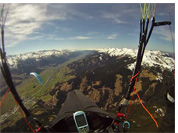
153, 10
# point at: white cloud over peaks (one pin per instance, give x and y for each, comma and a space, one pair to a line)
112, 36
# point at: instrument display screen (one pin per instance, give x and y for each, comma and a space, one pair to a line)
80, 119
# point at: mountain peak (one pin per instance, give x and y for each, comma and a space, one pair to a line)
151, 58
13, 59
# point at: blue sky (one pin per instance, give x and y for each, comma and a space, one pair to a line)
34, 27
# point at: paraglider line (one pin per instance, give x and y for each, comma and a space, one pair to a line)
4, 97
139, 101
153, 11
132, 95
171, 35
146, 109
134, 76
24, 116
172, 39
131, 101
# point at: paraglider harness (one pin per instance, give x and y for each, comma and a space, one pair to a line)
78, 113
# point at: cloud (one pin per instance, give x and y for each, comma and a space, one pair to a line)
164, 33
33, 21
80, 38
112, 36
24, 20
36, 37
165, 9
56, 38
121, 13
69, 11
115, 17
132, 34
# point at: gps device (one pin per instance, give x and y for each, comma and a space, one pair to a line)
81, 121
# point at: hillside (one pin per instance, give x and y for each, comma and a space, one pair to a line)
102, 75
22, 64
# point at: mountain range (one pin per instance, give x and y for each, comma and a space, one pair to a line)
103, 75
152, 58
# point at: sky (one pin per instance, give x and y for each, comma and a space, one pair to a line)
81, 26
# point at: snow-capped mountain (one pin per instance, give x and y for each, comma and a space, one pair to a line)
41, 60
150, 59
102, 75
13, 59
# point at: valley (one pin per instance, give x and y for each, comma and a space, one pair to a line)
102, 75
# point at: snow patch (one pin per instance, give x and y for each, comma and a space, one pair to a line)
13, 59
101, 57
150, 58
159, 77
160, 112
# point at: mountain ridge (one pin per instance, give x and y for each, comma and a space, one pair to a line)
162, 59
102, 76
151, 57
